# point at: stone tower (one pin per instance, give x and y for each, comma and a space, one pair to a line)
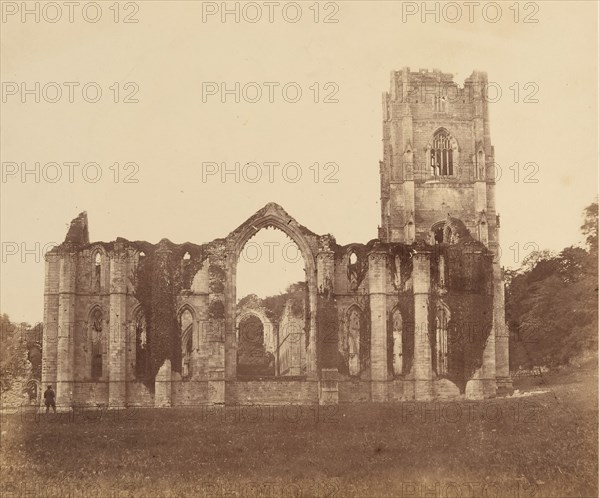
438, 170
438, 158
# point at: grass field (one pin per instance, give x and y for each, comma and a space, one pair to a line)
538, 445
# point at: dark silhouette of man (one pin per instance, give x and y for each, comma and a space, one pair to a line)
49, 399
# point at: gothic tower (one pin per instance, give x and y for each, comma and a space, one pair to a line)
438, 158
438, 170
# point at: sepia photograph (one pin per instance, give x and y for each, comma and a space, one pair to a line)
325, 249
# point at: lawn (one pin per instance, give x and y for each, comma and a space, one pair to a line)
539, 445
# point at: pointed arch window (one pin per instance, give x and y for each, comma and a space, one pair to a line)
353, 272
186, 323
97, 272
353, 343
442, 154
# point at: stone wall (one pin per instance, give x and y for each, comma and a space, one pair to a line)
363, 288
272, 392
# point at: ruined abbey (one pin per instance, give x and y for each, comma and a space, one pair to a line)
414, 314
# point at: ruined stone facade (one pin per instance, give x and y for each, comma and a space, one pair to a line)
417, 313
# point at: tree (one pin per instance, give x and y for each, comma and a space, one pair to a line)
531, 260
551, 302
590, 227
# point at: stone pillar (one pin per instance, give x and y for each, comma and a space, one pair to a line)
50, 333
500, 330
422, 368
377, 304
230, 339
66, 328
328, 332
162, 386
312, 372
480, 193
328, 387
117, 346
479, 107
216, 387
197, 338
297, 345
202, 333
325, 269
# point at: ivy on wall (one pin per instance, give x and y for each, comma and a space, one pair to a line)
465, 288
327, 332
158, 279
467, 291
216, 279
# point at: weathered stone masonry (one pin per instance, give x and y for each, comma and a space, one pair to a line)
417, 313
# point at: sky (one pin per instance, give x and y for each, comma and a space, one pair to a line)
159, 124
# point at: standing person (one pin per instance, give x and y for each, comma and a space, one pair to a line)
49, 399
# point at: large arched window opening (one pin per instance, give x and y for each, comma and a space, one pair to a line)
354, 272
354, 319
441, 154
271, 282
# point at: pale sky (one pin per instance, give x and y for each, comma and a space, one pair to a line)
171, 132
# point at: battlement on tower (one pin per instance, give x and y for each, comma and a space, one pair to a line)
420, 86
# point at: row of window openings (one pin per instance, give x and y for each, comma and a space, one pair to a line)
98, 258
440, 103
96, 349
98, 266
96, 370
441, 327
441, 331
